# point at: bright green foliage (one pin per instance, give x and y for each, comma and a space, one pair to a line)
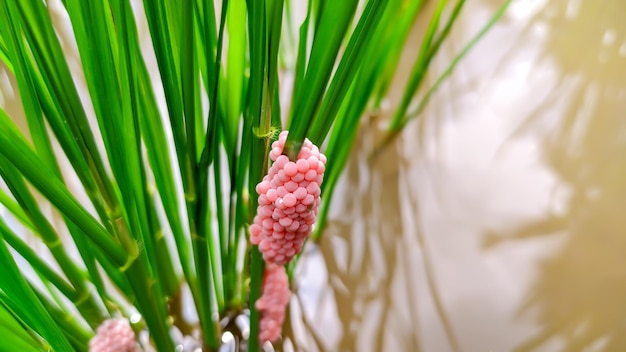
165, 193
15, 334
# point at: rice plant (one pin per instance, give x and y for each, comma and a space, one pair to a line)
139, 203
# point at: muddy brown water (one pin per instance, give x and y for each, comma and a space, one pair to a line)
496, 222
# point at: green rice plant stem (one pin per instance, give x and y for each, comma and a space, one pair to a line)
47, 52
14, 208
276, 111
204, 256
235, 70
212, 292
154, 137
261, 128
215, 252
20, 298
258, 61
289, 41
301, 56
342, 138
156, 249
109, 71
26, 75
27, 81
38, 264
150, 304
84, 300
197, 213
419, 69
76, 334
34, 118
242, 211
58, 125
4, 55
188, 71
16, 334
165, 184
206, 42
206, 265
18, 152
131, 174
258, 168
162, 259
443, 34
210, 143
348, 68
200, 246
117, 277
333, 26
204, 224
274, 21
257, 270
155, 140
391, 42
164, 43
223, 227
442, 77
455, 61
232, 242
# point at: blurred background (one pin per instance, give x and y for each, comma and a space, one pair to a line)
495, 222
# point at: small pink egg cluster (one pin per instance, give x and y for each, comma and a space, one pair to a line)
289, 199
273, 302
114, 335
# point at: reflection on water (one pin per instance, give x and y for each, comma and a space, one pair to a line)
495, 223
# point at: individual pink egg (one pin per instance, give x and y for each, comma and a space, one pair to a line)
255, 229
310, 175
271, 195
282, 191
262, 187
285, 221
314, 189
308, 200
263, 200
313, 162
278, 227
299, 177
291, 169
282, 176
291, 186
300, 193
268, 224
302, 165
289, 200
281, 161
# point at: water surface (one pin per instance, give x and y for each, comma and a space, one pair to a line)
495, 223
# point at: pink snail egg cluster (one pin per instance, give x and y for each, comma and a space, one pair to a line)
273, 302
289, 199
113, 335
